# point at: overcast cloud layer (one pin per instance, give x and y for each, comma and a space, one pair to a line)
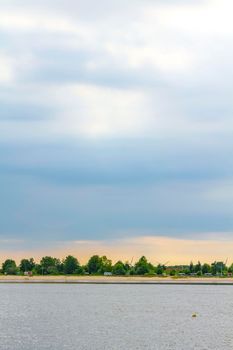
115, 120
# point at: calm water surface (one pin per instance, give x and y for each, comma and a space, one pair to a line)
56, 317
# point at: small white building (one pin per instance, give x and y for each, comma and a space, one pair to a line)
107, 274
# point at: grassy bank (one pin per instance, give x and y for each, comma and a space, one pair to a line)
115, 280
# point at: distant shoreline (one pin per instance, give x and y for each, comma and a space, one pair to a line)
115, 280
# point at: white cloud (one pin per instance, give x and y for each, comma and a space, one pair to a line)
207, 18
82, 110
28, 21
165, 44
7, 71
151, 55
104, 111
92, 111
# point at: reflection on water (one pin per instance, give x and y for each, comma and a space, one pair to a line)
92, 317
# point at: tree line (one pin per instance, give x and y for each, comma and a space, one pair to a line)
100, 265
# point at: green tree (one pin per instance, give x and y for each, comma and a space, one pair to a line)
206, 268
230, 269
142, 266
186, 270
27, 265
50, 265
198, 268
218, 268
173, 272
106, 265
191, 267
70, 265
37, 269
160, 269
213, 268
9, 267
127, 267
94, 264
119, 268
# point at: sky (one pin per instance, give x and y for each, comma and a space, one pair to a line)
116, 128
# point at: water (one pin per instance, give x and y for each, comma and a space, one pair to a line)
93, 317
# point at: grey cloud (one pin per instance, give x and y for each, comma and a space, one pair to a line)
119, 162
37, 212
73, 188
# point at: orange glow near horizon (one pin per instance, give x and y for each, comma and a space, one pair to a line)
156, 249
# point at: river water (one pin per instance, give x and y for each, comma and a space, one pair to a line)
98, 317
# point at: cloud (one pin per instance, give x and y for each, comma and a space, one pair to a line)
52, 190
32, 21
6, 69
146, 53
104, 111
197, 19
115, 118
35, 209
